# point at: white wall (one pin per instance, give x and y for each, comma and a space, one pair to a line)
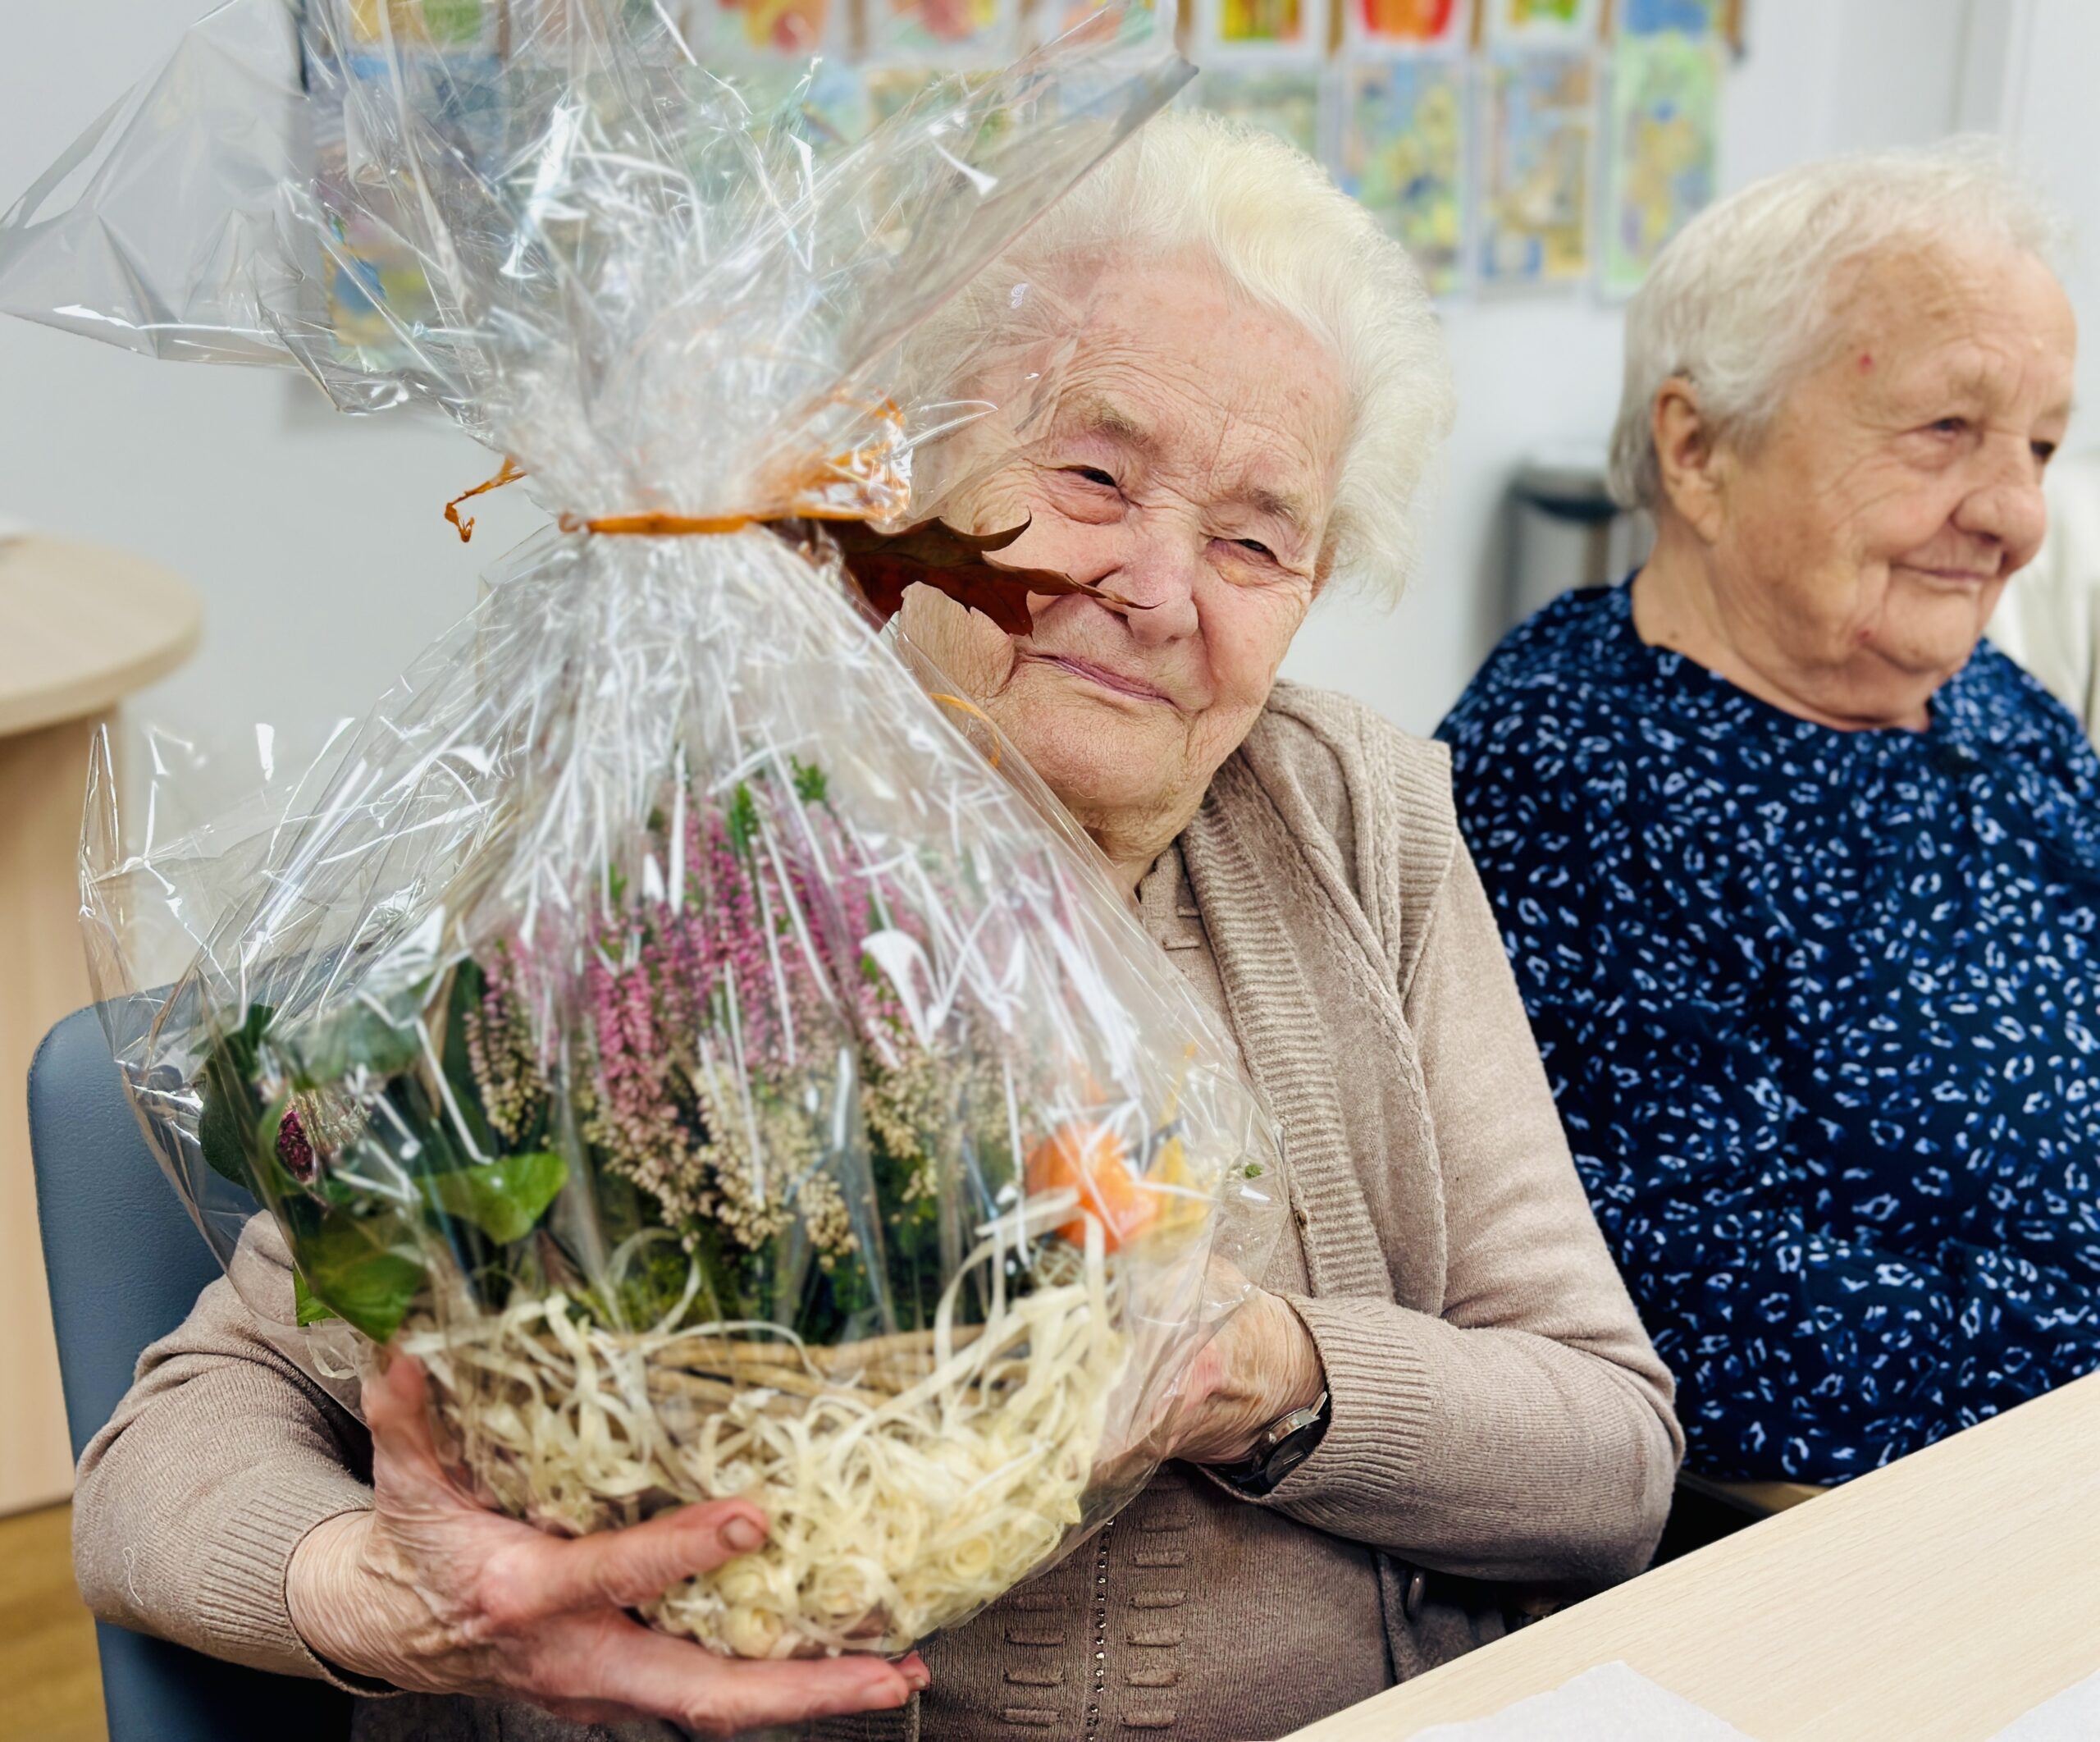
2044, 91
317, 541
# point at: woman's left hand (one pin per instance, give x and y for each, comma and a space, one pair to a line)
1262, 1364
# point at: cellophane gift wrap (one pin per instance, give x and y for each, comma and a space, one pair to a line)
660, 1018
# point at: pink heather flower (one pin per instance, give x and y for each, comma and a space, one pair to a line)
659, 991
501, 1053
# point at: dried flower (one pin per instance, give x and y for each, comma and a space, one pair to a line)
293, 1150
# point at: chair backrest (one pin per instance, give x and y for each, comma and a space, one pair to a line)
125, 1264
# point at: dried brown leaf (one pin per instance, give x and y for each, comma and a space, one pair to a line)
934, 554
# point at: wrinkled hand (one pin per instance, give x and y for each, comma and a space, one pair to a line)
431, 1592
1263, 1363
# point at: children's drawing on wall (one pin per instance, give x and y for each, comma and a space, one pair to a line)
1707, 21
1534, 200
1544, 23
1260, 31
1403, 154
1406, 25
737, 30
1662, 149
946, 33
1284, 100
1049, 19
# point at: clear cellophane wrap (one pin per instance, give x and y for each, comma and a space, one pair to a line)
671, 1016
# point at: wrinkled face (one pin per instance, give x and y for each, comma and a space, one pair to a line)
1867, 535
1190, 465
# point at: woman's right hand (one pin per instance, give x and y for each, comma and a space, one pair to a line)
432, 1593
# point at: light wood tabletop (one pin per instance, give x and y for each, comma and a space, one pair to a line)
1934, 1601
84, 626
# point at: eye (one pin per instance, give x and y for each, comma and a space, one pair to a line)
1255, 544
1950, 426
1093, 475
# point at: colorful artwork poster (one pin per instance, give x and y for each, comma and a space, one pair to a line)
1537, 139
1049, 19
442, 23
890, 89
1544, 23
1662, 149
943, 33
1261, 29
730, 31
1282, 100
1409, 25
835, 106
1705, 19
1403, 154
445, 53
823, 98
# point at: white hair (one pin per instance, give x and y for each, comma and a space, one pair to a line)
1284, 237
1740, 302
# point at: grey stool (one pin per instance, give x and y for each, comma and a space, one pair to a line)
126, 1265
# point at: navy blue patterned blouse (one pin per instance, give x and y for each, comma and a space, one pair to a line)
1822, 1012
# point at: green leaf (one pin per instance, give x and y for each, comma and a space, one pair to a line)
359, 1034
227, 1120
350, 1266
810, 786
742, 819
505, 1198
308, 1307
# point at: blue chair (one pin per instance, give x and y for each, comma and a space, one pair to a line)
126, 1265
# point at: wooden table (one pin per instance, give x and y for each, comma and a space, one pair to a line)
81, 628
1933, 1601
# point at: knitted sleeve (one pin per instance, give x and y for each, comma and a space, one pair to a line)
221, 1458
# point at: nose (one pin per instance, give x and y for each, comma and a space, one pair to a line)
2006, 505
1161, 568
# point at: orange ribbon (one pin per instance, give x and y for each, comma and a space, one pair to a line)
992, 750
870, 468
510, 473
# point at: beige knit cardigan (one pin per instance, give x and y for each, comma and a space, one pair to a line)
1499, 1418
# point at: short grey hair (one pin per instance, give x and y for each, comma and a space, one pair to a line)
1286, 237
1740, 302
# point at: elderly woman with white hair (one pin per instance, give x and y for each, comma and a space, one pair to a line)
1800, 881
1441, 1399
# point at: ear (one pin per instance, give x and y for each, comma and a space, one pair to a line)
1693, 464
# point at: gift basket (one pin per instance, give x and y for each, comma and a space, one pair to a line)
672, 1015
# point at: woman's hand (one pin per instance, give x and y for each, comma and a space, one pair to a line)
434, 1594
1263, 1363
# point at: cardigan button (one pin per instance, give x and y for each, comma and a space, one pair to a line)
1417, 1589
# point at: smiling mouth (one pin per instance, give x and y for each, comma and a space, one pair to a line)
1102, 677
1953, 577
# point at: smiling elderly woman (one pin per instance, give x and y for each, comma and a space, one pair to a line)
1440, 1394
1802, 885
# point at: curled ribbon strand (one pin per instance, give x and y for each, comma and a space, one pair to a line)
508, 473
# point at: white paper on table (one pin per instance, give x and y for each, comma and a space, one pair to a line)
2073, 1715
1613, 1702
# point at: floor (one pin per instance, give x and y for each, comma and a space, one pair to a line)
53, 1690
